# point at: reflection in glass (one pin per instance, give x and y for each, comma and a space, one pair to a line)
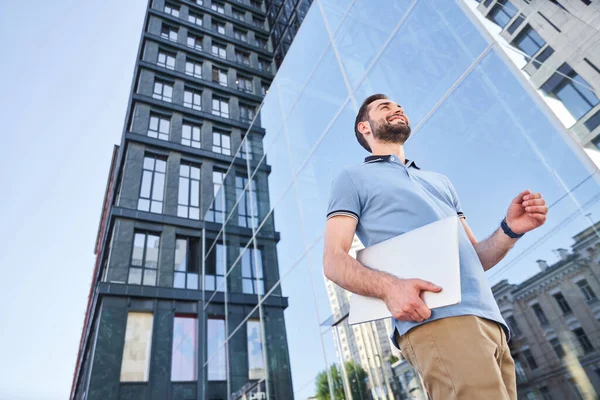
216, 340
135, 366
256, 364
153, 182
144, 256
184, 353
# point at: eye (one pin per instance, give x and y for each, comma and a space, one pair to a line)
385, 108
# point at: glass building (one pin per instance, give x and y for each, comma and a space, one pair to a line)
257, 319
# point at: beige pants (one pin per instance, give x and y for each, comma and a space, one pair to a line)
463, 357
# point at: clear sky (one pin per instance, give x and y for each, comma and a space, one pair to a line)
66, 74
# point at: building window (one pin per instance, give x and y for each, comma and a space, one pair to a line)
562, 303
195, 19
194, 69
185, 349
187, 264
195, 42
529, 358
539, 313
264, 88
219, 50
246, 113
558, 349
240, 35
256, 362
585, 343
530, 395
135, 366
587, 291
592, 123
216, 211
239, 15
242, 57
159, 127
502, 12
218, 27
144, 259
257, 22
220, 106
571, 90
153, 185
586, 2
214, 277
513, 326
545, 392
219, 76
256, 4
192, 99
218, 7
166, 60
190, 135
244, 83
529, 41
221, 142
262, 43
163, 91
543, 56
518, 21
169, 33
200, 2
247, 213
576, 389
252, 271
216, 343
188, 205
264, 65
172, 9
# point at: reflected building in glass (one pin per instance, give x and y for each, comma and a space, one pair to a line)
556, 45
209, 280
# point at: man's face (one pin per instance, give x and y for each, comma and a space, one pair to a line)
388, 122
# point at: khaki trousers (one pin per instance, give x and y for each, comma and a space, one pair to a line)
463, 357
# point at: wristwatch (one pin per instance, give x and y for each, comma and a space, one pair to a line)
509, 231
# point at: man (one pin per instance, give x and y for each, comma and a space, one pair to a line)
460, 351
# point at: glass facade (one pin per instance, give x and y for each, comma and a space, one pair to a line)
474, 120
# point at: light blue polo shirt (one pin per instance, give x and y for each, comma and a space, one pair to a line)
388, 198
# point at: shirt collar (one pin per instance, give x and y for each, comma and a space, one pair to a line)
374, 159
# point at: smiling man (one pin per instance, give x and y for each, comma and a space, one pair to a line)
461, 350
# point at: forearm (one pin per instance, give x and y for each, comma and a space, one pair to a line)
494, 248
351, 275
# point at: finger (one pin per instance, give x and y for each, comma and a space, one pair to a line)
416, 316
537, 209
423, 311
522, 196
428, 286
535, 202
539, 217
534, 196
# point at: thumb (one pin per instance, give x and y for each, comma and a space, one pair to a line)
428, 286
519, 198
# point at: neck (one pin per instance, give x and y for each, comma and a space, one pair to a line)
384, 149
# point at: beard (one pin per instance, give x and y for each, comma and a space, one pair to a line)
385, 132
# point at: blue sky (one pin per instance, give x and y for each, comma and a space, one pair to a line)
66, 75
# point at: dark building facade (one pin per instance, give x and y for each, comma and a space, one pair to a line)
175, 308
285, 17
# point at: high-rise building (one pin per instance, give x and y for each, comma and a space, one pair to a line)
170, 287
556, 44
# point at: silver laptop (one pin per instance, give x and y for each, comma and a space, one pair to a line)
429, 253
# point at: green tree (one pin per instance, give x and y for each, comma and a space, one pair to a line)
357, 379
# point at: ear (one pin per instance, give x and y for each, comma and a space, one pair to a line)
364, 127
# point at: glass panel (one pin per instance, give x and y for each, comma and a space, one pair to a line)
149, 277
146, 184
256, 362
184, 191
216, 350
139, 244
179, 280
135, 366
158, 187
152, 246
192, 282
180, 255
183, 357
135, 276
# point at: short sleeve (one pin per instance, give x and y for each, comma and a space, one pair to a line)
455, 200
344, 198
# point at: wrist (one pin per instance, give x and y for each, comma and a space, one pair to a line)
506, 228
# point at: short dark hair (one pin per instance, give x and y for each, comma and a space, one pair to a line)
363, 115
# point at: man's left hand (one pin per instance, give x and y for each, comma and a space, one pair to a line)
526, 212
